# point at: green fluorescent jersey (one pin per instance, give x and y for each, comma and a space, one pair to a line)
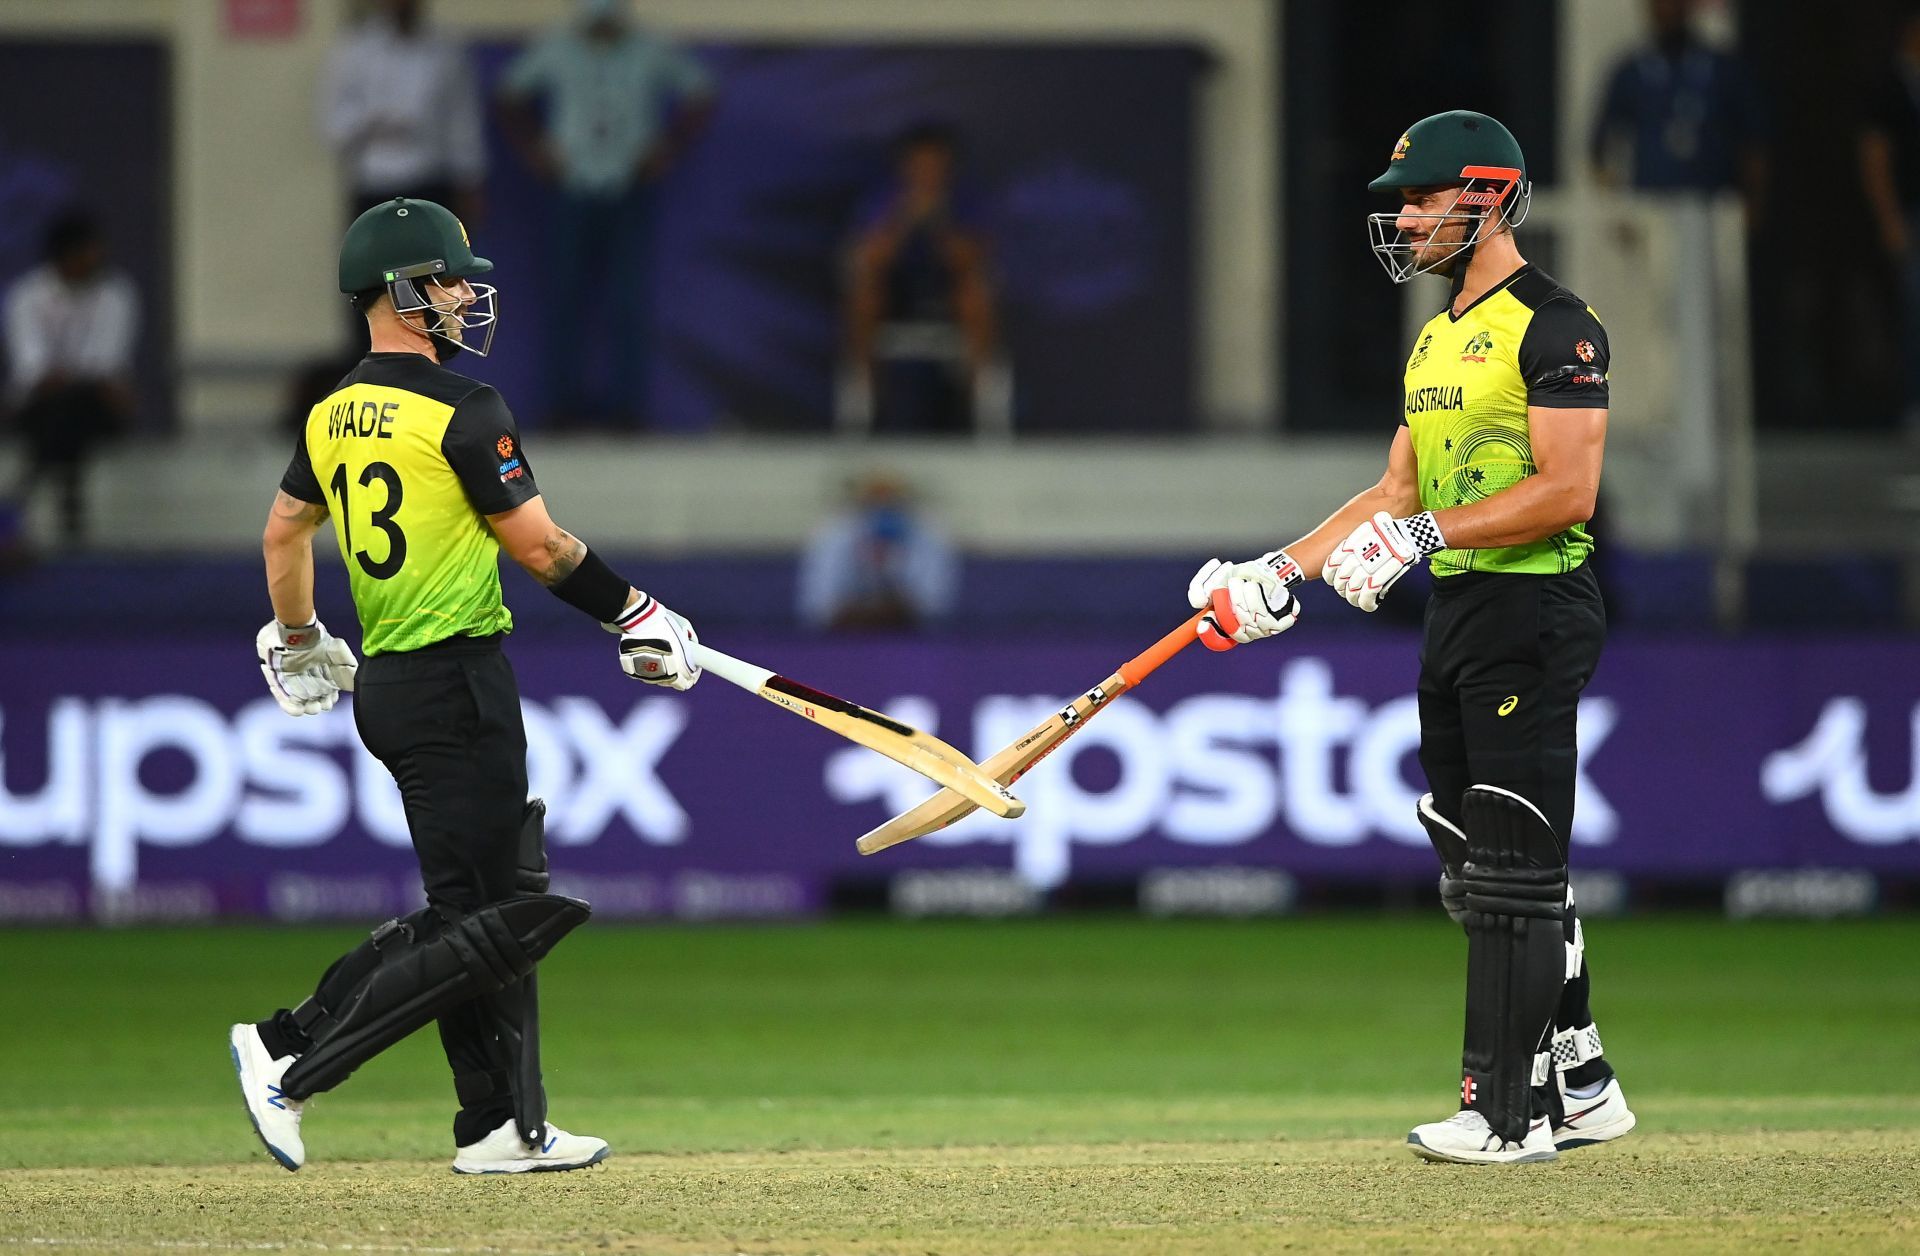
1469, 384
408, 457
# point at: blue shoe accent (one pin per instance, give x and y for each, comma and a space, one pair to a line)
285, 1161
275, 1098
548, 1146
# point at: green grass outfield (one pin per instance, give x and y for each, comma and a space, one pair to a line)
1051, 1086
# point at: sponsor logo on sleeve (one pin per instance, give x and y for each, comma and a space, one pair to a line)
511, 467
1584, 351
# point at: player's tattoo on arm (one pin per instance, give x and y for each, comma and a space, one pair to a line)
564, 552
290, 508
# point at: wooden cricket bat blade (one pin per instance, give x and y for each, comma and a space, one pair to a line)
924, 753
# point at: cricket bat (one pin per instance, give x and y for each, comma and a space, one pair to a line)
1014, 761
904, 744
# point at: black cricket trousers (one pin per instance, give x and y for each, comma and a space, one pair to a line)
1502, 664
445, 720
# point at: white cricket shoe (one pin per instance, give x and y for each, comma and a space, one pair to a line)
1466, 1138
276, 1118
503, 1151
1600, 1119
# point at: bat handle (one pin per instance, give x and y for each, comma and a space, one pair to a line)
1219, 623
728, 668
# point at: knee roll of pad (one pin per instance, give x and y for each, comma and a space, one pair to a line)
422, 973
1537, 893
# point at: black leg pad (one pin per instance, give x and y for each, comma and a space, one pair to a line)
1515, 883
421, 971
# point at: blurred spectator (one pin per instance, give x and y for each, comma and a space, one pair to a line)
402, 110
70, 326
1689, 115
622, 105
922, 329
878, 564
1890, 169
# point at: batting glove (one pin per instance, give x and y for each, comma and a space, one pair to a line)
1249, 600
1377, 553
654, 645
306, 668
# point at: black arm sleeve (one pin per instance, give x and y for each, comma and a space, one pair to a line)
1563, 357
482, 445
299, 480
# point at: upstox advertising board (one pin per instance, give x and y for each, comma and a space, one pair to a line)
167, 784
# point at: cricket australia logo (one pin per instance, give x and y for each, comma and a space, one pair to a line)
1477, 348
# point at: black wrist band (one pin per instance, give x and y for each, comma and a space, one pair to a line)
592, 587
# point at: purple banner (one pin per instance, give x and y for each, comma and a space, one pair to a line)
165, 782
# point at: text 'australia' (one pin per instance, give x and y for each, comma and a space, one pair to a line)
1421, 400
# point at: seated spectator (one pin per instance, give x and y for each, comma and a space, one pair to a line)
922, 328
70, 326
877, 565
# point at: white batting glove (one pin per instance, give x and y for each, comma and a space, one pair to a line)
1377, 553
1258, 595
306, 668
653, 645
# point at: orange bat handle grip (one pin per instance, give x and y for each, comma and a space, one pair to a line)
1217, 635
1142, 665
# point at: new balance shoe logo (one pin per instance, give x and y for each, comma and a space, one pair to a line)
548, 1145
275, 1097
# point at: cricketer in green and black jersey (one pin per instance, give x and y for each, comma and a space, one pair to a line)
424, 476
1493, 476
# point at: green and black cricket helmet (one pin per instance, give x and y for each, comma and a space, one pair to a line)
1459, 149
414, 250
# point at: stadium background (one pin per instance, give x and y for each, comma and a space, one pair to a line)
1177, 190
1184, 326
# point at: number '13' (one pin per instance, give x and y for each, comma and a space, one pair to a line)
382, 569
